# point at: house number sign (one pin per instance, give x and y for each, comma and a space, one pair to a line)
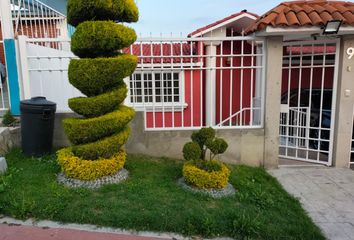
350, 52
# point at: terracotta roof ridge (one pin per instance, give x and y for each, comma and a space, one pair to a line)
305, 13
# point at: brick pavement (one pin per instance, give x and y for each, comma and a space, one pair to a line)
326, 193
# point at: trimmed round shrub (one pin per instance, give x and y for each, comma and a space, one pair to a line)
80, 130
191, 151
206, 179
104, 148
217, 146
98, 76
96, 106
203, 135
77, 168
94, 39
79, 11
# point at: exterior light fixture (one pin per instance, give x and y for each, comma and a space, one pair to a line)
332, 27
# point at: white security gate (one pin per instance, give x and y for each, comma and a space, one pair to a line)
308, 101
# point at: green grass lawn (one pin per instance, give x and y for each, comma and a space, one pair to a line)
151, 200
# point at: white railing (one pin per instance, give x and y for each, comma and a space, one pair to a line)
295, 127
37, 20
189, 83
179, 84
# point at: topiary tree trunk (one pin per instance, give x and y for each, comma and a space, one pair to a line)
99, 135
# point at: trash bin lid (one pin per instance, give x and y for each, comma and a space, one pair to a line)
37, 105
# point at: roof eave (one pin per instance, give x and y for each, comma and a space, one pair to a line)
242, 15
281, 31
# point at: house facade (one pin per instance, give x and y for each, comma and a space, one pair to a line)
277, 87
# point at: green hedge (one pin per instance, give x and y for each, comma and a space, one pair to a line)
102, 149
101, 39
80, 131
99, 105
85, 10
97, 76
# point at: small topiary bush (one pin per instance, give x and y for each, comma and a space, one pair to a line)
200, 172
191, 151
206, 140
206, 179
99, 135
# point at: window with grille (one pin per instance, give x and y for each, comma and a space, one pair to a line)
155, 88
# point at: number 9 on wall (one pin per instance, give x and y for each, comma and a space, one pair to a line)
350, 52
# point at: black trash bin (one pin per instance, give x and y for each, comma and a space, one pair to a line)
37, 126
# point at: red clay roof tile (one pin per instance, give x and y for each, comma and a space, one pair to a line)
326, 16
303, 18
349, 16
292, 18
281, 20
305, 13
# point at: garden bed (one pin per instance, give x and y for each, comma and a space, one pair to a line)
151, 200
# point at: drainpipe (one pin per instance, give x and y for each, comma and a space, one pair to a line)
10, 56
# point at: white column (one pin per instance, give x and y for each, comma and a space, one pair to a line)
257, 101
210, 88
6, 19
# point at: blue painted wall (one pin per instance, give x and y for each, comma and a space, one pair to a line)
11, 66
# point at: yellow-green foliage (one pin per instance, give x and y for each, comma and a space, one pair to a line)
75, 167
101, 39
100, 75
103, 148
99, 105
204, 179
81, 130
87, 10
99, 134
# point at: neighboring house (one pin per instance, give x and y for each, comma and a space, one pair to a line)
36, 19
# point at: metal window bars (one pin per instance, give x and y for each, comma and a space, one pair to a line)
221, 82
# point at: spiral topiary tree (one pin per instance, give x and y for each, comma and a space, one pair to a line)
99, 135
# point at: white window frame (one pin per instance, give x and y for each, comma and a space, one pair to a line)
157, 106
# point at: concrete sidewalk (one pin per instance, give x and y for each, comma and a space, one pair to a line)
15, 232
326, 193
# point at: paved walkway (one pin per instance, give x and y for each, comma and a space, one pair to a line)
326, 193
13, 232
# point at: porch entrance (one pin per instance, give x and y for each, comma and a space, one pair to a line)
308, 95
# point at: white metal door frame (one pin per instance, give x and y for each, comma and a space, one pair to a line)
4, 86
304, 124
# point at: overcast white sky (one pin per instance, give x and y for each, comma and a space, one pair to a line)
184, 16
